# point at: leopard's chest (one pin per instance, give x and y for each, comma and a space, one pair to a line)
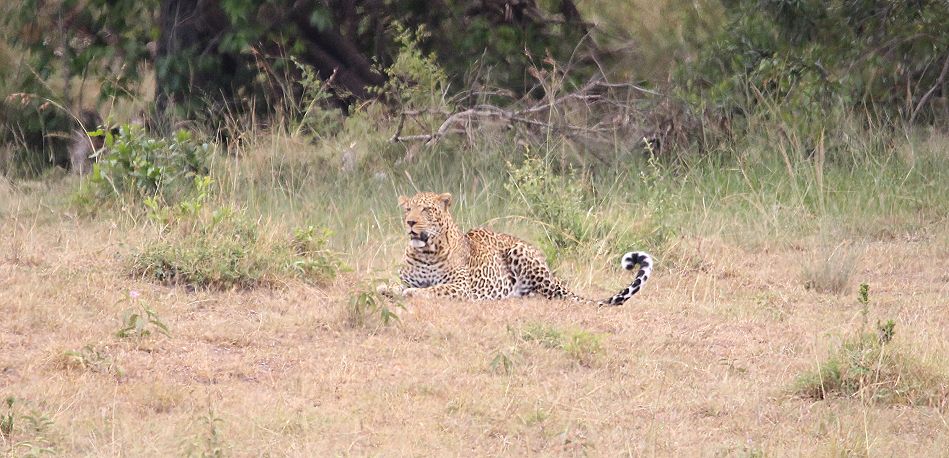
420, 275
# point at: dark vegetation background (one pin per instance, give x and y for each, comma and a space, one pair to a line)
691, 74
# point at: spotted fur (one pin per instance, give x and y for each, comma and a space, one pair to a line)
441, 261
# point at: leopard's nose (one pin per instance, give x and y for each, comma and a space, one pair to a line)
410, 223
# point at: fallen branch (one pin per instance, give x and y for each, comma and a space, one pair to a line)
594, 97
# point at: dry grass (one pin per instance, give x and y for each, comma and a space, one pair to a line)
703, 362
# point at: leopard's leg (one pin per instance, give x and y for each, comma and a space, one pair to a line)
533, 275
456, 290
530, 270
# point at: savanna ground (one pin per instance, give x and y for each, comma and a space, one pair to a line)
759, 268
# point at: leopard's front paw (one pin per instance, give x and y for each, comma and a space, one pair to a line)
411, 292
389, 291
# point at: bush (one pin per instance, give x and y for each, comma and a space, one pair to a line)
559, 202
134, 165
869, 367
574, 219
806, 56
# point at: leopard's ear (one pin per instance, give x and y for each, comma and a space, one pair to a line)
446, 199
403, 201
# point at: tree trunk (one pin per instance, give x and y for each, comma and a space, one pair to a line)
189, 31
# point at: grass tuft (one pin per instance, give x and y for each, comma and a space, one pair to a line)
581, 345
868, 367
831, 273
224, 249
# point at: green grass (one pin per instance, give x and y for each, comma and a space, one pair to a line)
744, 194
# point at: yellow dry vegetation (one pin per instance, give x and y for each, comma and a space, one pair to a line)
703, 361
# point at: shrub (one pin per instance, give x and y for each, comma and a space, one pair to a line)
799, 59
559, 202
133, 164
867, 365
574, 219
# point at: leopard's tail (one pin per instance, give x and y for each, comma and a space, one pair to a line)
631, 260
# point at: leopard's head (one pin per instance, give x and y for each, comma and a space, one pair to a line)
426, 217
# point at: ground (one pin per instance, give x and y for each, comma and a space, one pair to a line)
703, 361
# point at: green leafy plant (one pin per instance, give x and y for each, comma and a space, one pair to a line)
139, 320
6, 421
806, 55
312, 257
36, 429
559, 202
886, 330
136, 165
209, 443
367, 308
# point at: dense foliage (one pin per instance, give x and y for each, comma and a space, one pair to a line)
808, 55
801, 62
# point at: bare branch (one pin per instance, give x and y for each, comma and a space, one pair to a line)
929, 93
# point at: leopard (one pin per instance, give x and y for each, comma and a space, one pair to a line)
441, 261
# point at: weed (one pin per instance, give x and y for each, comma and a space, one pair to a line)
209, 444
582, 345
139, 318
863, 297
502, 362
535, 416
313, 259
547, 336
366, 308
34, 429
885, 331
576, 221
559, 202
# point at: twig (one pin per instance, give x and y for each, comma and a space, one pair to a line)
929, 93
